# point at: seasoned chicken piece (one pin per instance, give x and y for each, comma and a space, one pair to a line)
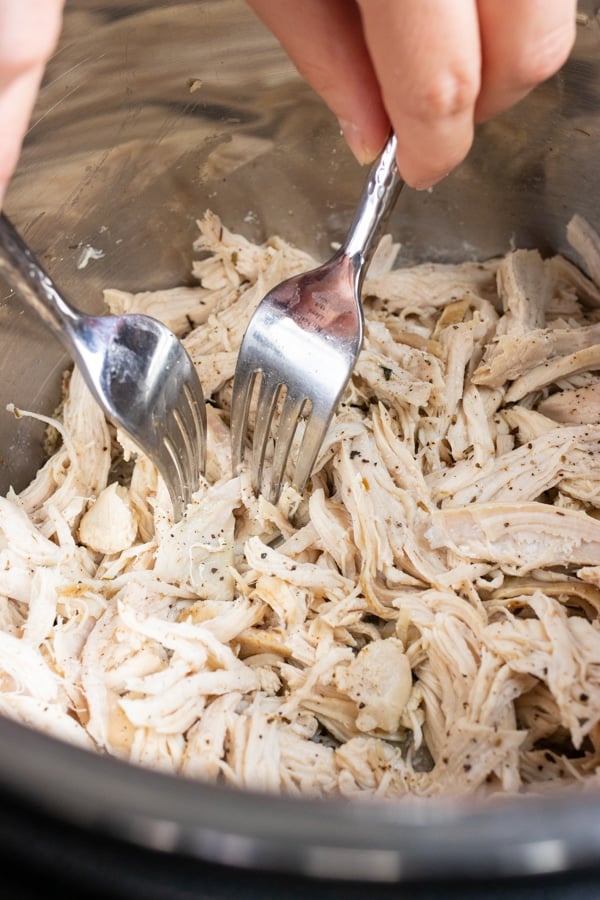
24, 671
199, 550
393, 384
527, 424
379, 680
551, 372
375, 768
529, 471
586, 241
520, 537
205, 745
26, 556
311, 770
474, 430
573, 280
559, 650
79, 469
238, 260
110, 524
334, 528
396, 455
512, 356
574, 407
180, 308
218, 447
434, 284
322, 580
387, 523
525, 285
48, 718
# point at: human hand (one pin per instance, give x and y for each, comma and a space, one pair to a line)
430, 69
28, 33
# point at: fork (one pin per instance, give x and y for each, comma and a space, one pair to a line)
135, 367
302, 343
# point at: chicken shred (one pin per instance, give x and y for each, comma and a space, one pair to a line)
424, 621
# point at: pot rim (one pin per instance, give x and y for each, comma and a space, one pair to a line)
369, 840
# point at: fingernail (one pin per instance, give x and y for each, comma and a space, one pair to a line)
429, 182
356, 141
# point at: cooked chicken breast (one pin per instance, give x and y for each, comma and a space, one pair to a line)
424, 621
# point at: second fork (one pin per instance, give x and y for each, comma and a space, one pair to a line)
303, 341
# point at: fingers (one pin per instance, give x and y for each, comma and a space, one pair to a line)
524, 42
427, 59
28, 33
324, 39
433, 67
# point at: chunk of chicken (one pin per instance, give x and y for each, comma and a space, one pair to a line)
379, 680
520, 537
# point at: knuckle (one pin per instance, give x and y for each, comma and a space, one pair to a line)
448, 95
544, 58
27, 37
14, 65
20, 58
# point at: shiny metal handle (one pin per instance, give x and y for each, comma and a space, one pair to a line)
25, 275
379, 196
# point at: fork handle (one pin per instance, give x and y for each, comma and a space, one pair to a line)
25, 275
378, 198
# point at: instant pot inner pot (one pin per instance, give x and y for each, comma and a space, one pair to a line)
151, 113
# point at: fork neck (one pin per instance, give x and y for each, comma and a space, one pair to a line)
376, 203
25, 275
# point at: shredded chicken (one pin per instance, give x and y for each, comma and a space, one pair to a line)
424, 621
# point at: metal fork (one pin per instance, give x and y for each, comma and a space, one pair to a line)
137, 370
303, 341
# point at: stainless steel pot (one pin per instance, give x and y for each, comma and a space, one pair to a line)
150, 113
